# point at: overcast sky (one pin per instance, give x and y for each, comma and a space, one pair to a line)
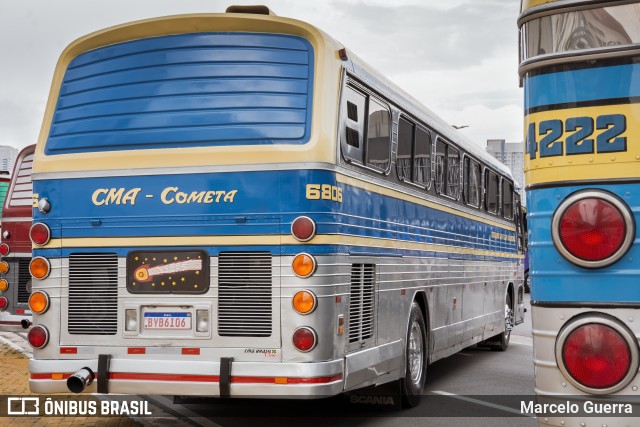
458, 57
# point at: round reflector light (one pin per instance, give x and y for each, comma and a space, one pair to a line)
592, 229
304, 339
4, 249
3, 303
4, 267
39, 267
304, 302
40, 234
596, 356
303, 228
4, 285
304, 265
38, 336
39, 302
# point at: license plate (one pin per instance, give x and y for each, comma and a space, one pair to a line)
167, 321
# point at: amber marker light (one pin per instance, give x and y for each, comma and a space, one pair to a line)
39, 268
4, 285
304, 265
4, 267
304, 302
39, 302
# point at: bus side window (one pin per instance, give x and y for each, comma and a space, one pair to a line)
491, 194
405, 142
447, 170
453, 173
507, 199
354, 111
440, 159
519, 218
378, 150
422, 158
471, 182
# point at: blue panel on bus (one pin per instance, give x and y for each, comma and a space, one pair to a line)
586, 85
188, 90
230, 206
554, 279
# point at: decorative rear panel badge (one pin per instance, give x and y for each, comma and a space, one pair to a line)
162, 272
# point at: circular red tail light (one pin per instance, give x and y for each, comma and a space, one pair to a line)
40, 234
38, 336
3, 303
596, 356
4, 249
303, 228
593, 229
304, 339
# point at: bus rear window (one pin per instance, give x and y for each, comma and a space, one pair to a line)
187, 90
21, 193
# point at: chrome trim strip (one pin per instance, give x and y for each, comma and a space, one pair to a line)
617, 203
613, 324
18, 219
576, 56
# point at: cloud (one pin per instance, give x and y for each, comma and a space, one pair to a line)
458, 57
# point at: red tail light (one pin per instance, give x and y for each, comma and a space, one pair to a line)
40, 234
3, 303
4, 249
596, 356
303, 228
593, 229
38, 336
304, 339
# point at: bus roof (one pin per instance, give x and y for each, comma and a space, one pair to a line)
328, 65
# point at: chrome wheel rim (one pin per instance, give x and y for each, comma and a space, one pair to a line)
415, 354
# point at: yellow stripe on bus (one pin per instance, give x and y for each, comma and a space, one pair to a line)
327, 239
367, 186
585, 167
528, 4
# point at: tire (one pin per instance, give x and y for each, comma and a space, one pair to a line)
412, 385
503, 338
527, 283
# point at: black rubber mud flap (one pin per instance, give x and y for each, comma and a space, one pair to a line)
225, 376
103, 373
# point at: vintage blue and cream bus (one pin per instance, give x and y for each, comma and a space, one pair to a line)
236, 205
579, 67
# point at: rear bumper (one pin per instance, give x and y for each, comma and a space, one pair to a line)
196, 378
13, 322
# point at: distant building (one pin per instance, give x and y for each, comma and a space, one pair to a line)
8, 156
512, 155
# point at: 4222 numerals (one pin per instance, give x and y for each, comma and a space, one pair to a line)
575, 135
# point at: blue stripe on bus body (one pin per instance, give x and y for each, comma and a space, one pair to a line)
184, 91
285, 250
554, 279
266, 203
584, 85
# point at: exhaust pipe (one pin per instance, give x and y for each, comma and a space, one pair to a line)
77, 382
26, 324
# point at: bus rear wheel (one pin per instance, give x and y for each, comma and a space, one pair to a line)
504, 338
412, 384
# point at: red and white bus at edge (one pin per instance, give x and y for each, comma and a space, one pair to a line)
236, 205
15, 247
